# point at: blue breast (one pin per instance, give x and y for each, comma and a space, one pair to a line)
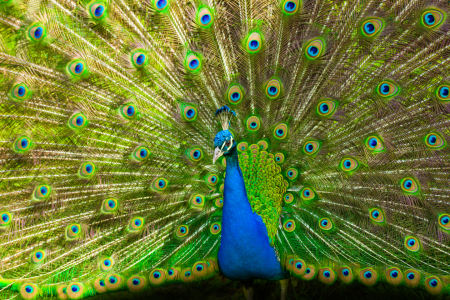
245, 251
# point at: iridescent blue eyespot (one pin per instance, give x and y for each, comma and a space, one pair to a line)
290, 6
313, 50
369, 28
433, 282
368, 274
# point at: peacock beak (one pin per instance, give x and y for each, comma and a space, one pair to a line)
217, 153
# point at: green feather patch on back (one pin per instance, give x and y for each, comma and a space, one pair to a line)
265, 185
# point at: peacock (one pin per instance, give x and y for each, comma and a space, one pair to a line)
145, 143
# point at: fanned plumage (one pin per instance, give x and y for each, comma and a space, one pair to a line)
341, 125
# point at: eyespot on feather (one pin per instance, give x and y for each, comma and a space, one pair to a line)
22, 144
409, 185
173, 274
42, 192
310, 273
100, 285
20, 92
87, 170
61, 292
211, 179
289, 225
432, 18
128, 111
394, 275
136, 283
345, 274
186, 275
193, 62
327, 275
434, 140
280, 131
242, 146
197, 201
376, 215
372, 27
5, 219
443, 92
368, 276
315, 48
263, 145
290, 7
298, 267
215, 228
235, 94
412, 244
387, 89
205, 17
189, 112
326, 108
253, 123
161, 5
106, 264
218, 202
113, 282
182, 231
110, 205
36, 32
374, 144
349, 164
29, 291
139, 58
194, 154
307, 194
97, 10
75, 290
279, 158
160, 184
76, 68
288, 198
136, 223
326, 224
433, 285
292, 174
73, 231
254, 42
37, 256
412, 278
140, 154
157, 276
273, 89
78, 121
200, 269
311, 147
444, 221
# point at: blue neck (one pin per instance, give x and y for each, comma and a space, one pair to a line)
245, 251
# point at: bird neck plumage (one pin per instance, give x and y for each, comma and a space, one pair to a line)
235, 194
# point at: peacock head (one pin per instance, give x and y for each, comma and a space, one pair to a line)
223, 144
224, 141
